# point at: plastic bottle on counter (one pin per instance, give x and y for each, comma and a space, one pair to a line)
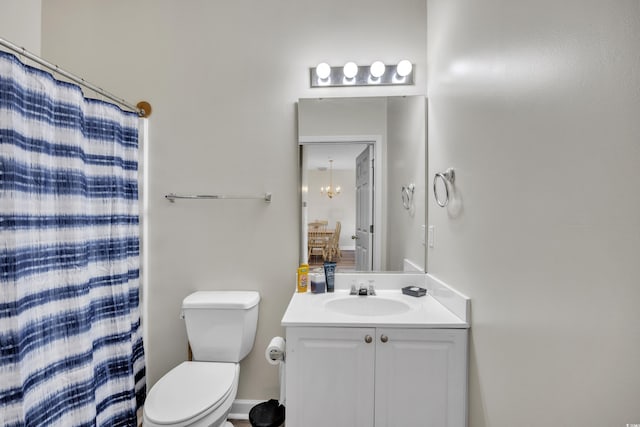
303, 278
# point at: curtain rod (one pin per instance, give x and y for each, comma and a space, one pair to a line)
143, 108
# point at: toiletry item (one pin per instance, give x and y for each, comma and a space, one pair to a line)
303, 277
414, 291
316, 278
329, 274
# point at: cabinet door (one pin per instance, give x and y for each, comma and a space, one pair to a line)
329, 377
421, 378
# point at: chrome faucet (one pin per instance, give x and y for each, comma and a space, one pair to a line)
362, 290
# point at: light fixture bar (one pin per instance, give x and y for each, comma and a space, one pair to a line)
363, 77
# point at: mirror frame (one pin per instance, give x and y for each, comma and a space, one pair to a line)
380, 239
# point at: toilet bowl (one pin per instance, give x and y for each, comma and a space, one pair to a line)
193, 394
221, 328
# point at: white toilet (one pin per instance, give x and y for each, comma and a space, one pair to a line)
221, 327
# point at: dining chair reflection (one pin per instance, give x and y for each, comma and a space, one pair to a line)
317, 239
331, 251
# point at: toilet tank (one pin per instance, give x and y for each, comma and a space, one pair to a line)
221, 325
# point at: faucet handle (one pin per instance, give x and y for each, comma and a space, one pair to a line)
372, 290
353, 290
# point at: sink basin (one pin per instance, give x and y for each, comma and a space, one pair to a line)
367, 306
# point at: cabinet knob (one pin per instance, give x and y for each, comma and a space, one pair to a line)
384, 338
368, 339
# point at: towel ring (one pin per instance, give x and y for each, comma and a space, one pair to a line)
448, 178
407, 195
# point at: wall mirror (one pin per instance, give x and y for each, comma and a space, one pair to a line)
363, 182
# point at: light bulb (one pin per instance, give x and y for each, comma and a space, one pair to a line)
350, 70
377, 69
323, 70
404, 68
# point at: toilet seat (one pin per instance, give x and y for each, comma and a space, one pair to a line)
190, 391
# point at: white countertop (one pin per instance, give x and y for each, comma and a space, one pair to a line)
308, 309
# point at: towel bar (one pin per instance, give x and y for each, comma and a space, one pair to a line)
172, 197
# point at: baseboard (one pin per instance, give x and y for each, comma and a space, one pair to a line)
241, 407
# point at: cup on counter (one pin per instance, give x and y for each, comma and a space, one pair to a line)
317, 282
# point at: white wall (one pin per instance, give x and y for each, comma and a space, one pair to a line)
406, 164
223, 79
338, 117
536, 105
20, 23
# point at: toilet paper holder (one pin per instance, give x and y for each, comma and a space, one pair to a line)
276, 354
275, 351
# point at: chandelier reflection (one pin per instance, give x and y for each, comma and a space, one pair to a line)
330, 190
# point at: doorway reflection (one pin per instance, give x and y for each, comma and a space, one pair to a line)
330, 217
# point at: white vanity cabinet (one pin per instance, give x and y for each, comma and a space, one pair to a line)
329, 377
376, 377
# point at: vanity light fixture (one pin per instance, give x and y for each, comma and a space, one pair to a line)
377, 69
404, 68
350, 70
323, 70
351, 74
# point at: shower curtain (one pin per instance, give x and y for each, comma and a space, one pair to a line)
70, 338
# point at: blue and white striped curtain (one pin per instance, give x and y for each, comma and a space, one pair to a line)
70, 338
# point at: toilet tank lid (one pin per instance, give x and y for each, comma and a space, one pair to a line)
229, 300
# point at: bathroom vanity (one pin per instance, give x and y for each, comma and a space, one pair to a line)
384, 360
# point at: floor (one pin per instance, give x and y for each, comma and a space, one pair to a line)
345, 263
242, 423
